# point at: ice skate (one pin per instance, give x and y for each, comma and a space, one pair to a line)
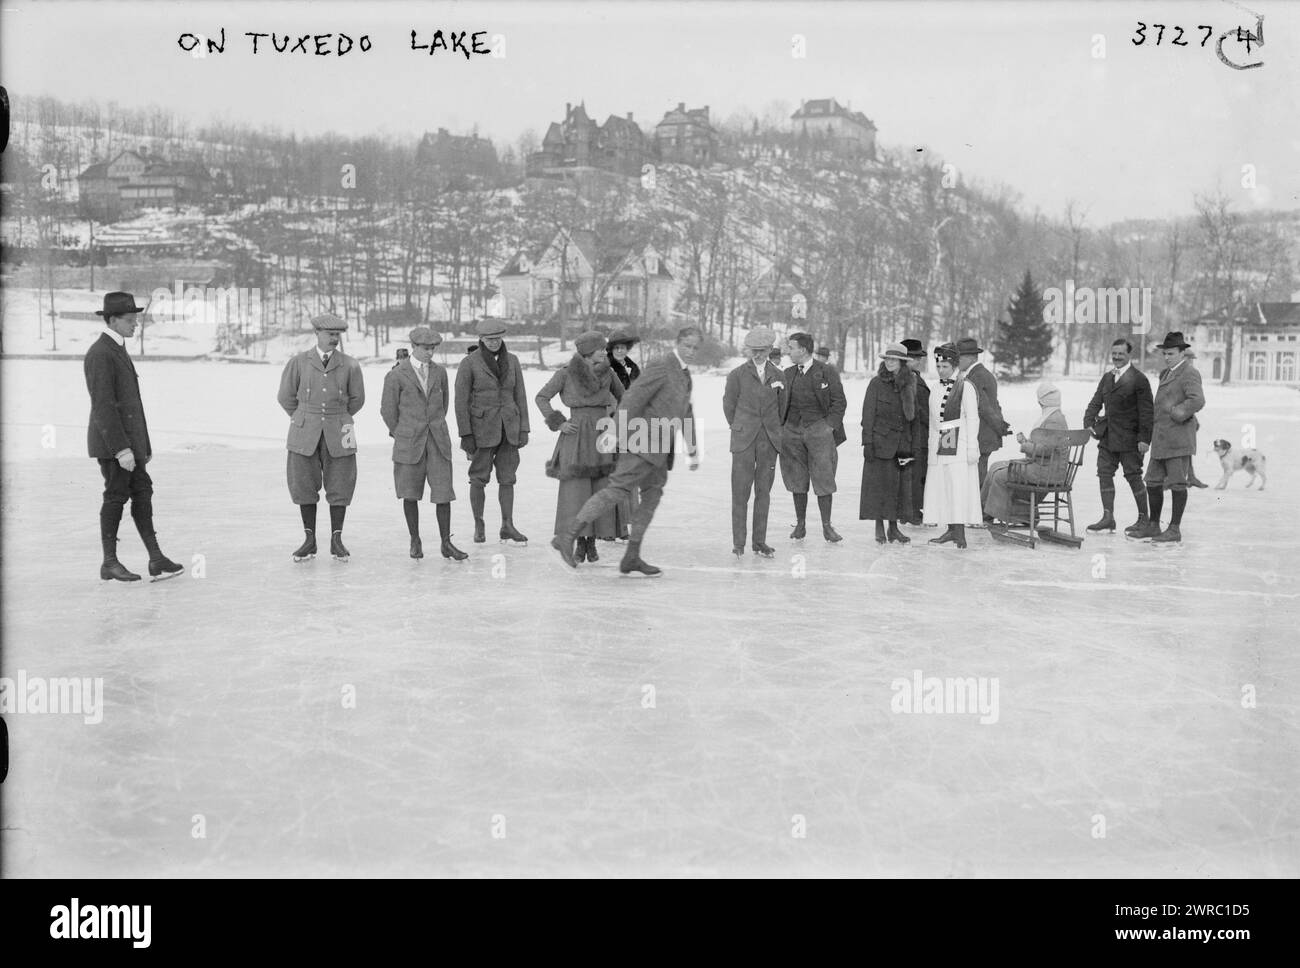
161, 568
511, 535
337, 550
1171, 535
632, 561
1107, 523
115, 570
308, 548
449, 550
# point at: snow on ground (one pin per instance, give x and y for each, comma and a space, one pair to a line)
509, 695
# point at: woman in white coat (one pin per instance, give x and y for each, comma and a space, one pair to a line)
952, 486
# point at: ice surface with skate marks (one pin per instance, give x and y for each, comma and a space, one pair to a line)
390, 716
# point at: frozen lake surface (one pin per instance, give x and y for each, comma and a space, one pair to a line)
506, 715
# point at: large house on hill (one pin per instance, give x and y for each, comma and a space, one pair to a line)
535, 285
686, 136
455, 160
578, 145
133, 179
1266, 344
843, 130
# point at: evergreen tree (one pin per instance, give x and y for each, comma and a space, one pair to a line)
1025, 339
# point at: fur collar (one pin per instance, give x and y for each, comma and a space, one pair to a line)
591, 378
904, 382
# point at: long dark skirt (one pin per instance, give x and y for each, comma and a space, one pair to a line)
573, 494
913, 489
883, 496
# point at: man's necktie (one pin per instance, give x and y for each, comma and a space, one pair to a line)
325, 360
687, 371
424, 382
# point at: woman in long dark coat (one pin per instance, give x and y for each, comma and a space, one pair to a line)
625, 371
891, 438
587, 386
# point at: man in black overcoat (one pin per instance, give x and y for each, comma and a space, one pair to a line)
118, 438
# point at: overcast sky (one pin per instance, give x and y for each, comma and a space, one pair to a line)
1008, 92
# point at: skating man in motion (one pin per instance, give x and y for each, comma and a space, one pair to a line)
321, 390
414, 408
812, 426
118, 438
651, 410
492, 418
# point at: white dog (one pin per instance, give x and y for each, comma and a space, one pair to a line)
1250, 460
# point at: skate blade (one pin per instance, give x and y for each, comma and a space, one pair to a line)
165, 576
298, 559
512, 541
342, 558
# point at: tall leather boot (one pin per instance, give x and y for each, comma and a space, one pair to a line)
563, 543
449, 550
824, 508
1107, 522
477, 500
110, 516
960, 535
506, 495
1139, 498
632, 560
800, 513
160, 566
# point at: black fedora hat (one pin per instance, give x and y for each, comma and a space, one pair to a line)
118, 304
915, 350
969, 346
1174, 341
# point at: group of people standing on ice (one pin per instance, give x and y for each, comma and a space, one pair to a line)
925, 446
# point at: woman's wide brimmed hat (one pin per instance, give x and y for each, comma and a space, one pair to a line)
623, 337
895, 351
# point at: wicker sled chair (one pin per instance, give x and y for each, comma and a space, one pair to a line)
1048, 488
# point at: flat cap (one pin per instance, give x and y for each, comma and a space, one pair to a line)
760, 338
329, 323
490, 327
425, 336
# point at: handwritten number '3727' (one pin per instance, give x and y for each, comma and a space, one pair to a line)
1141, 37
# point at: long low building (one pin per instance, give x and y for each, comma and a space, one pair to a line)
1266, 345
